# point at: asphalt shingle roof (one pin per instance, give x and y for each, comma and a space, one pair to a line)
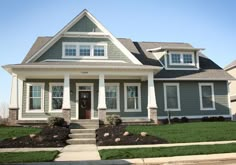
231, 65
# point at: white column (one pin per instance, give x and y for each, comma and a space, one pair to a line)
14, 93
101, 93
151, 92
66, 92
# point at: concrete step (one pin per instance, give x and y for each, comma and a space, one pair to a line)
82, 131
85, 121
82, 135
84, 126
82, 141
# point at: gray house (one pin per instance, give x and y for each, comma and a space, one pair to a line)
84, 72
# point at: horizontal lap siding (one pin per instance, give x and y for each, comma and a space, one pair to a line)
55, 52
190, 100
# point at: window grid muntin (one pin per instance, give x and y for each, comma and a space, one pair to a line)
84, 50
57, 97
35, 93
70, 50
112, 94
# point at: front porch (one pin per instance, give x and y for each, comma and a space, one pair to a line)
87, 94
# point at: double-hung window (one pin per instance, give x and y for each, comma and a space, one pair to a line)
112, 97
177, 58
84, 50
35, 97
206, 93
132, 97
171, 97
55, 97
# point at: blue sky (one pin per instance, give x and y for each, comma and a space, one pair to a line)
209, 24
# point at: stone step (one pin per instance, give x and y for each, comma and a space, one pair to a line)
82, 131
82, 141
84, 126
82, 135
85, 121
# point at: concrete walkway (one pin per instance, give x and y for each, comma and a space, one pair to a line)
164, 145
29, 149
79, 153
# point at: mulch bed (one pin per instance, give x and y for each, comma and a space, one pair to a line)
48, 137
117, 132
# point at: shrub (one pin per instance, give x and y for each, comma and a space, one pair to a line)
221, 118
163, 121
205, 119
114, 119
184, 120
56, 121
175, 120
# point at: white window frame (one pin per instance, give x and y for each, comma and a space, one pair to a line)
117, 97
182, 58
139, 97
212, 95
28, 98
178, 97
91, 44
50, 97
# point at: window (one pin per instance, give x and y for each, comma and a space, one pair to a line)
84, 50
70, 50
181, 58
89, 50
35, 97
206, 93
56, 97
112, 97
132, 97
171, 97
99, 51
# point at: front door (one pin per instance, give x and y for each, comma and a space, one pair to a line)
84, 104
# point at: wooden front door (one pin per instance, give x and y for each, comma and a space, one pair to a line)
84, 104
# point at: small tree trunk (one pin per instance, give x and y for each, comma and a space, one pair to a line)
169, 117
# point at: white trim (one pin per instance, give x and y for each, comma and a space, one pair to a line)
20, 97
117, 85
178, 97
77, 99
188, 79
212, 95
182, 58
114, 40
14, 104
229, 101
83, 60
181, 68
197, 60
194, 116
50, 97
139, 97
42, 98
77, 46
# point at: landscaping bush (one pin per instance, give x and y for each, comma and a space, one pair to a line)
56, 121
204, 119
175, 120
184, 120
114, 119
219, 118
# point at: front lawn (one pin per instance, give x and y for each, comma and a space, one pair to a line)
166, 151
10, 132
22, 157
190, 132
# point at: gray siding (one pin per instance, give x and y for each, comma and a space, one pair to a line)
190, 100
55, 52
84, 25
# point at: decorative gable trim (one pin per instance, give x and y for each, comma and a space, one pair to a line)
63, 31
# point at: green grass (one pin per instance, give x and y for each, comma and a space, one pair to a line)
166, 151
9, 132
190, 132
22, 157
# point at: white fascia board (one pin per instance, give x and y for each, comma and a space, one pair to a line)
190, 79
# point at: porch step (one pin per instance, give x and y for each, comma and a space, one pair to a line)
74, 131
84, 123
82, 135
82, 141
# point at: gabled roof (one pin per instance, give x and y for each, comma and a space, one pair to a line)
55, 38
231, 65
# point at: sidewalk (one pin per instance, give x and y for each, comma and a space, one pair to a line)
29, 149
164, 145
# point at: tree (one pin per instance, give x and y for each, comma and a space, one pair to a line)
4, 109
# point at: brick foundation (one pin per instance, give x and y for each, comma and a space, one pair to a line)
102, 115
13, 116
66, 115
153, 115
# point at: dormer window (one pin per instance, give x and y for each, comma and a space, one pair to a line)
177, 58
84, 50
